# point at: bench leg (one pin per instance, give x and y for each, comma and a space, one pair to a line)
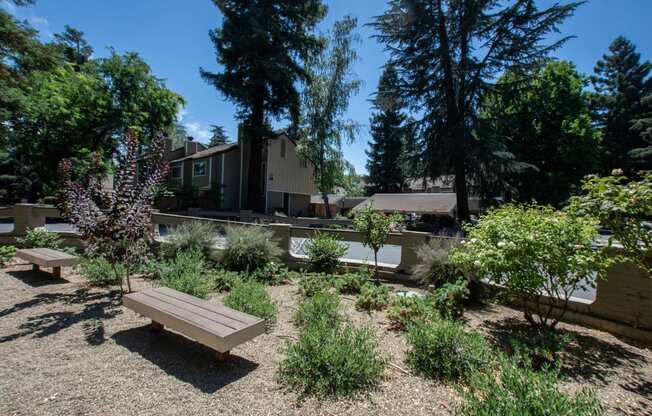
56, 272
222, 356
156, 327
36, 268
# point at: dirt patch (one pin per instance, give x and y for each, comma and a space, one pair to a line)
68, 349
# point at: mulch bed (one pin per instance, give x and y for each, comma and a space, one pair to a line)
69, 349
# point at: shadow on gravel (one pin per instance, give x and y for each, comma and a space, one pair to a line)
97, 306
184, 359
36, 279
585, 359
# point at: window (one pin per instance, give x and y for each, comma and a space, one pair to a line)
282, 148
199, 168
176, 171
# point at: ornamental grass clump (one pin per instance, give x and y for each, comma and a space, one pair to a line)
251, 297
434, 266
193, 235
324, 252
511, 389
249, 248
443, 350
320, 309
532, 250
338, 360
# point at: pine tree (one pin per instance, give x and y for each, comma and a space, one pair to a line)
218, 136
386, 150
75, 48
449, 52
622, 83
261, 47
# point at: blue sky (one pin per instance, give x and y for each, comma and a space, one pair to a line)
172, 37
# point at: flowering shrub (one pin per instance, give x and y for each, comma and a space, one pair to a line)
116, 223
621, 206
530, 251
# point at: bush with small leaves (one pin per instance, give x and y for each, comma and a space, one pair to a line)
39, 237
273, 273
7, 253
250, 297
515, 390
351, 283
312, 283
434, 266
339, 360
324, 252
320, 309
187, 273
224, 280
99, 272
449, 298
373, 297
194, 235
375, 228
249, 248
406, 310
540, 349
443, 350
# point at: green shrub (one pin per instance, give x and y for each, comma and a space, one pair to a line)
540, 349
340, 361
99, 272
406, 310
249, 248
187, 273
7, 254
531, 250
324, 251
442, 349
312, 283
250, 297
434, 266
373, 297
272, 273
39, 237
449, 299
194, 235
351, 283
224, 280
320, 309
515, 391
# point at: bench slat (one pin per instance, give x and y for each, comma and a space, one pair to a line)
47, 257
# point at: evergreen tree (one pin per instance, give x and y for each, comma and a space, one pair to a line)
642, 156
386, 150
622, 83
75, 48
218, 136
448, 52
261, 46
545, 124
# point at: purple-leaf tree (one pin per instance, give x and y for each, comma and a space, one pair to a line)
116, 223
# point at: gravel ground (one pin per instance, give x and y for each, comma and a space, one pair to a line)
68, 349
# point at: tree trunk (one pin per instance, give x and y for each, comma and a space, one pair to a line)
255, 132
459, 154
327, 206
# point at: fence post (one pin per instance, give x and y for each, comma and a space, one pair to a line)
283, 235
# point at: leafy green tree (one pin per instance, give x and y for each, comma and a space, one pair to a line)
261, 46
449, 52
218, 136
545, 123
324, 101
386, 172
75, 48
375, 227
622, 83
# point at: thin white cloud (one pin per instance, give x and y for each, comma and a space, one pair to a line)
9, 7
182, 113
38, 21
196, 130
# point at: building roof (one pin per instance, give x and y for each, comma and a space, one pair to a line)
352, 201
420, 203
220, 148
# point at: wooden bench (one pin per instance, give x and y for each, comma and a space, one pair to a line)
211, 324
47, 257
